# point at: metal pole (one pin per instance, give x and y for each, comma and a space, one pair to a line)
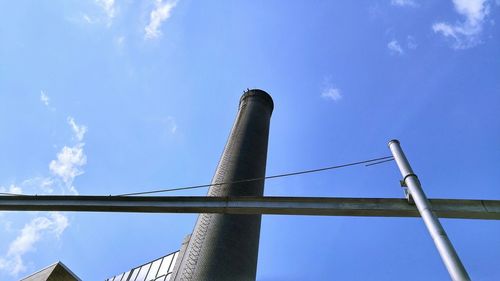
448, 254
253, 205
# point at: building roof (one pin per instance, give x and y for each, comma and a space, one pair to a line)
55, 272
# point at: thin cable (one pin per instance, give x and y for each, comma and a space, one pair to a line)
388, 158
12, 194
379, 162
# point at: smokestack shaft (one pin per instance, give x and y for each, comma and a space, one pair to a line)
225, 247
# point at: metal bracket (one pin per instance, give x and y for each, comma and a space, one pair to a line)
407, 192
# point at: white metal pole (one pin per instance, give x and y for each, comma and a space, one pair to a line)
448, 254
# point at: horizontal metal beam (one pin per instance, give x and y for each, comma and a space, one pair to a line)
366, 207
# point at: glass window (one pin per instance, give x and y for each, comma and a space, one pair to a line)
160, 278
134, 274
154, 269
173, 262
165, 265
159, 269
125, 275
143, 272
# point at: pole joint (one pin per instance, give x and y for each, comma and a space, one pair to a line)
406, 190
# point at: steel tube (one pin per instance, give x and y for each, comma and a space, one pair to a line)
320, 206
448, 254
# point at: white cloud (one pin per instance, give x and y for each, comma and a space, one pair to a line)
404, 3
13, 189
465, 34
105, 14
395, 47
411, 43
46, 185
88, 19
65, 168
331, 93
39, 185
44, 98
161, 13
32, 232
70, 160
474, 10
120, 41
108, 6
68, 164
172, 125
79, 131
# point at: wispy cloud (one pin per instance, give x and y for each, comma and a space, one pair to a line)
161, 13
70, 160
44, 98
120, 41
465, 34
105, 13
78, 130
13, 189
68, 164
395, 48
411, 42
404, 3
65, 168
331, 93
108, 6
43, 185
32, 232
87, 19
171, 125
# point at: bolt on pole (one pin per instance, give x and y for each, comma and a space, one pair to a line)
448, 254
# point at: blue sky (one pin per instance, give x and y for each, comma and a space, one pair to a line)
108, 97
